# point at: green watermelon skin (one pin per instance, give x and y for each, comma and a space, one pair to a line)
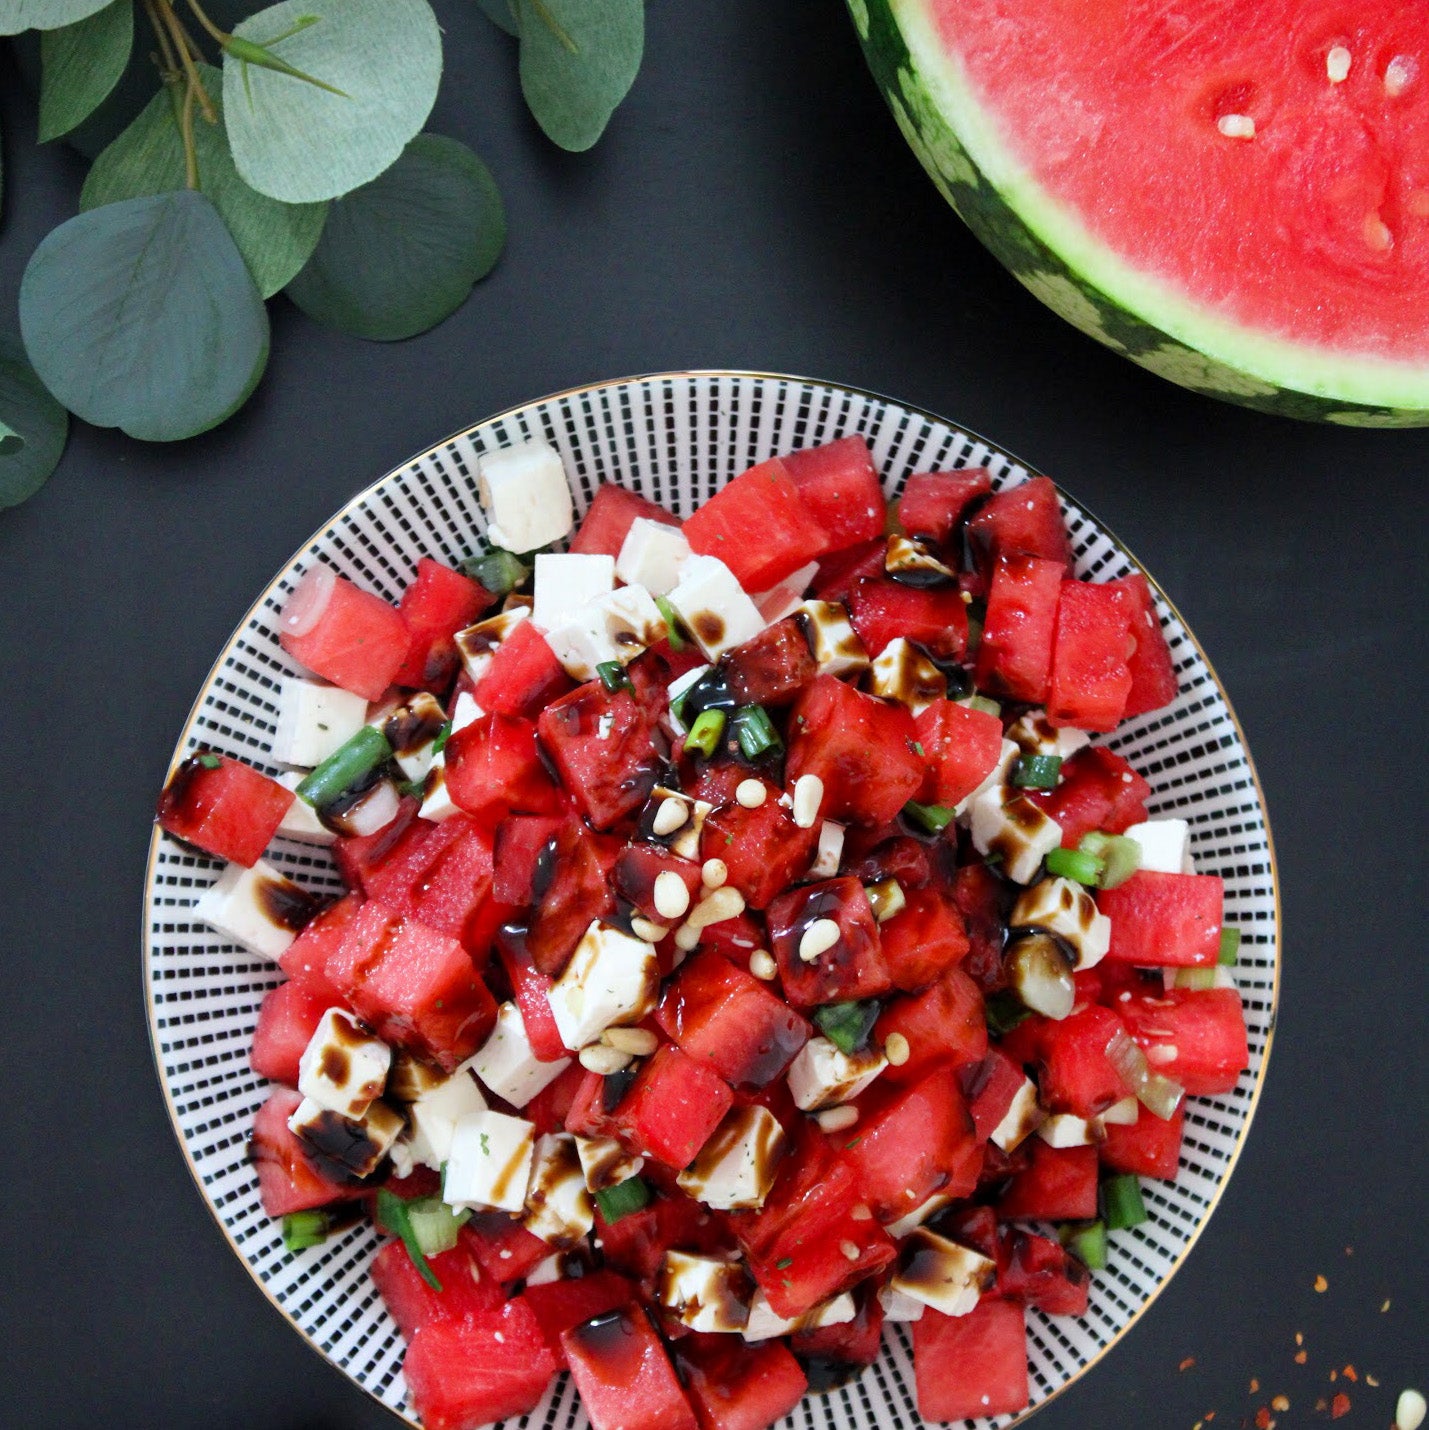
1046, 274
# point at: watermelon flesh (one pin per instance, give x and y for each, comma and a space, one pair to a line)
1234, 193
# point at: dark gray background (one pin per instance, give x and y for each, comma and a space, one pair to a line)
751, 206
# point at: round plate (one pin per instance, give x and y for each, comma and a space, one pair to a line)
675, 437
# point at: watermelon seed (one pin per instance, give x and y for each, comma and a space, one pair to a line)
1337, 64
1376, 233
1236, 126
1399, 74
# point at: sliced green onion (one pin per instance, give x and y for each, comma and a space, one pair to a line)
1037, 771
934, 818
977, 619
1074, 864
352, 761
1086, 1241
1095, 843
497, 571
440, 742
755, 731
673, 631
981, 702
1123, 859
1004, 1011
847, 1025
304, 1229
210, 761
1230, 948
1121, 1203
1198, 979
706, 733
612, 676
622, 1199
435, 1224
392, 1212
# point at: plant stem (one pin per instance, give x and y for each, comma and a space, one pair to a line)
184, 44
213, 31
186, 129
170, 61
554, 26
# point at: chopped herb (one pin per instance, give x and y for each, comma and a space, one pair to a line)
849, 1146
613, 677
210, 762
933, 818
392, 1212
755, 731
443, 735
918, 749
620, 1200
304, 1229
847, 1025
673, 632
485, 1145
412, 789
1037, 771
346, 768
706, 732
1229, 949
784, 1263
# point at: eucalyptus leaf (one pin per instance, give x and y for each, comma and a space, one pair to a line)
578, 61
142, 315
17, 15
302, 144
401, 253
33, 427
81, 65
501, 13
275, 239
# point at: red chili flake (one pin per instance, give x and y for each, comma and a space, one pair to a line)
1187, 1363
1321, 1284
1339, 1406
1262, 1418
1254, 1385
1280, 1403
1299, 1339
1300, 1357
1349, 1373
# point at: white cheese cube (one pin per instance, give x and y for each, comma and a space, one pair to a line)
829, 852
632, 621
764, 1322
903, 673
611, 978
605, 1163
1021, 1118
1165, 845
1019, 831
526, 496
713, 606
359, 1145
343, 1068
996, 778
898, 1306
838, 648
559, 1209
1065, 1129
557, 1267
1034, 734
313, 721
737, 1166
479, 643
489, 1164
651, 556
942, 1274
784, 599
903, 1225
704, 1293
259, 909
437, 803
411, 728
677, 687
568, 581
1122, 1114
1066, 908
435, 1114
684, 838
506, 1064
822, 1074
911, 556
584, 643
301, 820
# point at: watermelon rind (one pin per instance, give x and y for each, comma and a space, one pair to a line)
1045, 245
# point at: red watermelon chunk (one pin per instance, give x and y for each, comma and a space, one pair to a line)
923, 939
1148, 1147
933, 503
438, 603
772, 668
413, 1302
602, 743
763, 849
1038, 1272
809, 1261
286, 1023
223, 806
1195, 1037
960, 745
841, 571
943, 1024
289, 1178
1153, 671
968, 1367
559, 1306
640, 865
1165, 920
571, 892
990, 1087
935, 617
853, 967
624, 1377
1059, 1184
520, 840
613, 511
1014, 656
736, 1386
344, 634
306, 958
840, 487
673, 1106
1026, 519
493, 768
983, 899
524, 676
849, 1344
359, 855
1098, 790
1077, 1076
1090, 678
504, 1249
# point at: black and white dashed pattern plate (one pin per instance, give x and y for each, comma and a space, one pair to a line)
674, 437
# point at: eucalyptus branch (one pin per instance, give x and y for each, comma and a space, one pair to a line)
186, 130
169, 60
212, 30
188, 51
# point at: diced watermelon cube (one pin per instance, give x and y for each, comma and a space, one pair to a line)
673, 1106
359, 855
572, 890
637, 869
844, 1347
772, 668
468, 1373
290, 1178
561, 1305
923, 939
840, 486
1099, 790
1196, 1037
223, 806
862, 748
943, 1024
983, 899
524, 676
1148, 1147
1077, 1076
603, 745
1165, 920
306, 958
529, 990
1014, 656
350, 637
624, 1377
438, 603
968, 1367
413, 1303
1153, 671
441, 877
503, 1248
1090, 678
1059, 1184
1038, 1272
763, 849
960, 745
721, 1015
990, 1087
1025, 518
736, 1386
933, 503
852, 967
550, 1107
808, 1262
935, 618
759, 526
286, 1023
840, 572
520, 841
613, 511
493, 768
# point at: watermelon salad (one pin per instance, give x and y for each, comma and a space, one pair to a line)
746, 942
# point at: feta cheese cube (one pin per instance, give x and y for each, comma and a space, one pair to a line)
1033, 734
357, 1145
1019, 831
605, 1163
559, 1266
838, 648
437, 803
1064, 907
633, 621
704, 1293
764, 1322
478, 644
489, 1164
435, 1113
343, 1068
903, 673
611, 978
1021, 1118
822, 1074
506, 1064
411, 727
584, 643
313, 721
942, 1274
911, 556
829, 852
568, 581
737, 1166
1065, 1129
651, 556
259, 909
526, 496
301, 820
1165, 845
996, 778
559, 1209
900, 1228
784, 599
677, 687
714, 607
897, 1306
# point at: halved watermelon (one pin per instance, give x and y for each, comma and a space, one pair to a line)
1232, 193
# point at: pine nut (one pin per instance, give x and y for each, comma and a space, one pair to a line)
647, 929
670, 816
599, 1058
859, 1212
896, 1049
818, 938
687, 937
638, 1042
716, 906
751, 794
762, 965
849, 1249
808, 796
836, 1119
714, 873
672, 898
